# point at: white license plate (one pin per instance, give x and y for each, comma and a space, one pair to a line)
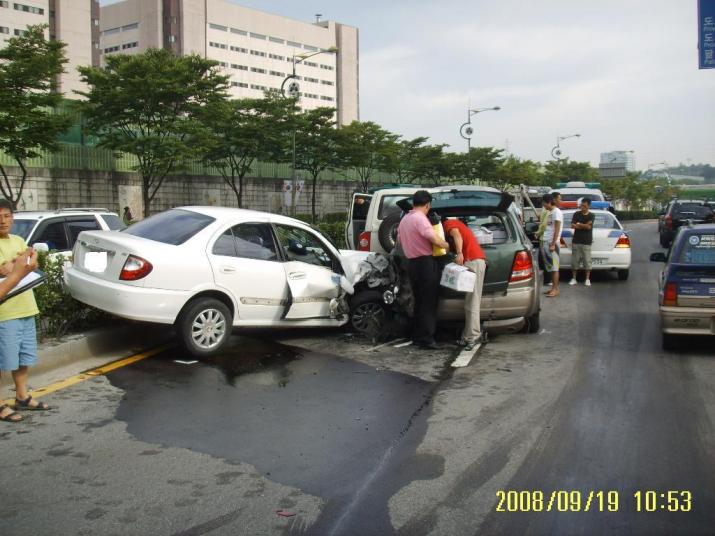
95, 261
598, 261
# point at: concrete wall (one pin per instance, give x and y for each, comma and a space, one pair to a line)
48, 189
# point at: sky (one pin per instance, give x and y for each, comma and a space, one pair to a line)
622, 73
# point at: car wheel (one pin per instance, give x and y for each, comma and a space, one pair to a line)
664, 242
205, 326
533, 323
368, 312
387, 233
623, 274
669, 341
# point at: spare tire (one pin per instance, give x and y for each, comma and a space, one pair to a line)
387, 233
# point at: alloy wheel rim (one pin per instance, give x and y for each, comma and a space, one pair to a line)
368, 315
208, 329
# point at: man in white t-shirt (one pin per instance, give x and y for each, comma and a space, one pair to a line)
550, 243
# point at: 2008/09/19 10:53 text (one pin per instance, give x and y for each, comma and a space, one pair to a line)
588, 501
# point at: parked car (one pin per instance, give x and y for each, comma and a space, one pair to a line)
59, 229
511, 295
681, 211
686, 292
611, 248
208, 269
573, 192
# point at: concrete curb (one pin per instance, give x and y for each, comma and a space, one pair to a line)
102, 344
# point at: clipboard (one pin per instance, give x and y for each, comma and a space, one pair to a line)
29, 282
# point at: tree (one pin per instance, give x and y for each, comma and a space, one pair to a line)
316, 146
239, 132
148, 105
479, 164
29, 68
431, 164
405, 155
514, 171
366, 148
567, 170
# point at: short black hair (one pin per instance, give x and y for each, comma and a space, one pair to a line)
547, 198
586, 200
421, 198
556, 194
4, 203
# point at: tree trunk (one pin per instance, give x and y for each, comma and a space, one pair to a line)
239, 194
312, 201
146, 202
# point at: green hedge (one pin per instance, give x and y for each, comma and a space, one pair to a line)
60, 313
624, 215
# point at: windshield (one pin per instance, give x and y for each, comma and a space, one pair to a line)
23, 228
174, 226
698, 249
604, 220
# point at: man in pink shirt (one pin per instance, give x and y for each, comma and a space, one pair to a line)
417, 237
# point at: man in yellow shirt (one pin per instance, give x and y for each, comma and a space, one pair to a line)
18, 338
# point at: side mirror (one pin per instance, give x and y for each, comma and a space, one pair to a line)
658, 257
41, 247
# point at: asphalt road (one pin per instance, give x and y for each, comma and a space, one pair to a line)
317, 435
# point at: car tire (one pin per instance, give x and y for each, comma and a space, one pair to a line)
664, 242
387, 232
669, 341
533, 323
623, 275
368, 312
204, 326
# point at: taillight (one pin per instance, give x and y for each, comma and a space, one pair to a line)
669, 222
364, 241
135, 268
523, 268
623, 242
670, 294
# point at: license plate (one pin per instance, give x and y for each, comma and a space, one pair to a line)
598, 261
95, 261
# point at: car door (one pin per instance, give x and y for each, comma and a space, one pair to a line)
246, 263
53, 233
357, 217
312, 273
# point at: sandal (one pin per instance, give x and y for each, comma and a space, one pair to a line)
25, 404
552, 294
13, 416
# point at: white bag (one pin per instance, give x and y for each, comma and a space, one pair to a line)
459, 278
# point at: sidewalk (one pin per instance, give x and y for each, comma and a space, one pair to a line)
72, 354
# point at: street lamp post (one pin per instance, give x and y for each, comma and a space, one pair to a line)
293, 90
466, 130
556, 150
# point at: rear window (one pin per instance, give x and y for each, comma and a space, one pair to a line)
388, 205
692, 210
173, 227
22, 228
604, 220
113, 222
576, 197
698, 249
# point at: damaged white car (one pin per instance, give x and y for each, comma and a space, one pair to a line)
208, 269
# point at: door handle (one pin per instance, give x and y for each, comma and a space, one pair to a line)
227, 270
294, 276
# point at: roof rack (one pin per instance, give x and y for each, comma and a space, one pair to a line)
81, 209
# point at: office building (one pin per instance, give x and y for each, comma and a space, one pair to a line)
75, 22
256, 49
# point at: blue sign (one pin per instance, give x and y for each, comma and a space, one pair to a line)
706, 34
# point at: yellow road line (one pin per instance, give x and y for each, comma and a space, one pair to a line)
99, 371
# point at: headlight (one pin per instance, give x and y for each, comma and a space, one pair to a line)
388, 297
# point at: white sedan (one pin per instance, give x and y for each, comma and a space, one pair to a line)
611, 248
206, 269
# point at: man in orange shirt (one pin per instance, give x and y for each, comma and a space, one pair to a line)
470, 254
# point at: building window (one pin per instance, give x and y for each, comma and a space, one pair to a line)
276, 73
19, 32
256, 86
327, 98
223, 64
125, 46
311, 48
172, 39
218, 27
327, 83
327, 67
311, 96
112, 31
111, 49
258, 70
4, 30
95, 22
276, 57
239, 67
218, 45
310, 64
239, 49
3, 3
314, 80
258, 36
238, 32
277, 40
239, 84
132, 26
29, 9
294, 44
258, 53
